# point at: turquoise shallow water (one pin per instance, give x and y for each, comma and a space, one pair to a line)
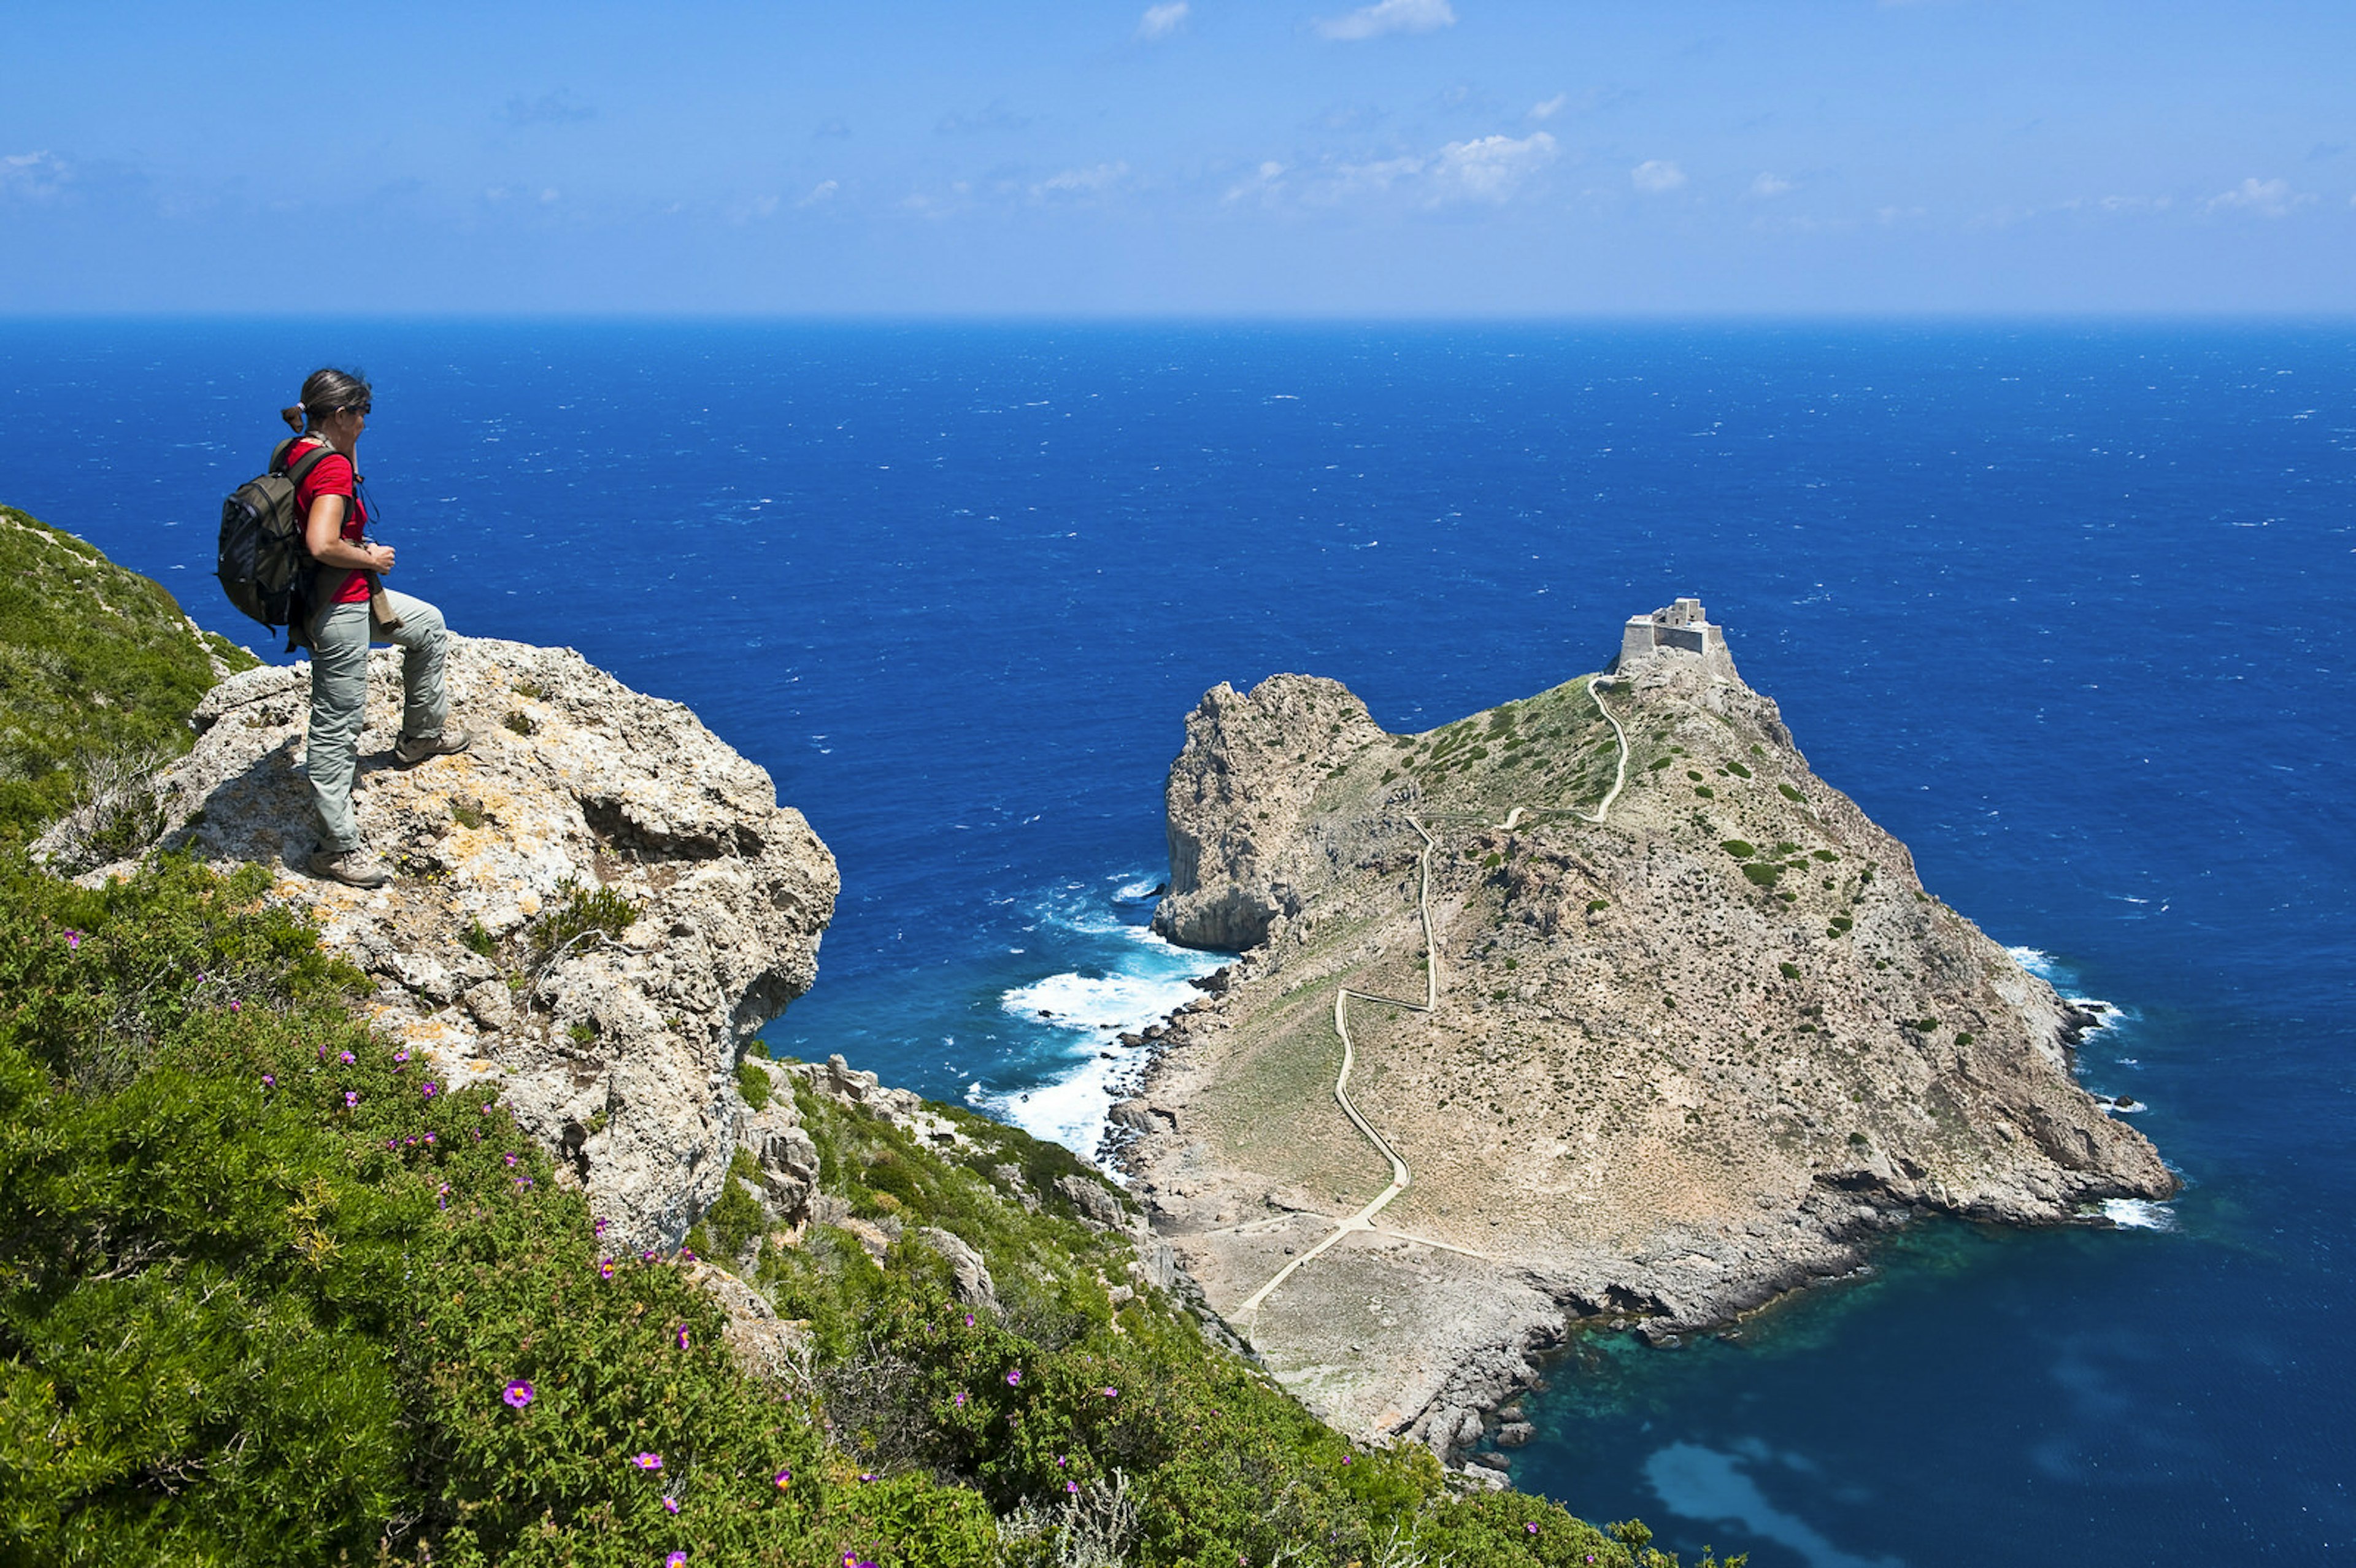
2065, 607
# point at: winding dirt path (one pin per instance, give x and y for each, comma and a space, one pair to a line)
1401, 1178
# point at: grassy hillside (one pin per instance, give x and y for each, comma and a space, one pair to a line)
99, 670
270, 1293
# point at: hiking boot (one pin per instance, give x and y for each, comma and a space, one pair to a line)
411, 750
346, 866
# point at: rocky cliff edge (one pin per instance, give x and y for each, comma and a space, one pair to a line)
598, 904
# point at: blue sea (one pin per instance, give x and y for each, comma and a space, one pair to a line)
2066, 606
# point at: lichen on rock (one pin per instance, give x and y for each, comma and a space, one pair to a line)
597, 906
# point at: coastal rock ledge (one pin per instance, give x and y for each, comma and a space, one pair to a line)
598, 904
1676, 1062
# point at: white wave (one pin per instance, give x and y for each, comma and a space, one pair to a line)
1069, 1110
2037, 961
1137, 982
1106, 1004
2138, 1214
1136, 890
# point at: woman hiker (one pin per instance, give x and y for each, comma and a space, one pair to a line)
345, 619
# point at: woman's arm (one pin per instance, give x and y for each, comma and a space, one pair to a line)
323, 532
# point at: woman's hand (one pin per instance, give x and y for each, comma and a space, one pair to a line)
380, 557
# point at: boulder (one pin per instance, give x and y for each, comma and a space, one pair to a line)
616, 1044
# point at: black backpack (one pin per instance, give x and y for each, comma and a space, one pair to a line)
266, 567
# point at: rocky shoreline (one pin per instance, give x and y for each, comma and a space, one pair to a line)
1685, 1061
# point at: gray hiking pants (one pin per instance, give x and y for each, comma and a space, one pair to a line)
340, 634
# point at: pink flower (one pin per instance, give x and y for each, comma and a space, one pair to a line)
960, 1399
676, 1559
683, 1335
1014, 1379
352, 1098
518, 1393
647, 1461
1532, 1526
233, 1005
269, 1081
401, 1055
969, 1320
671, 1504
606, 1268
1112, 1393
783, 1479
73, 940
430, 1090
597, 1227
1071, 1486
346, 1057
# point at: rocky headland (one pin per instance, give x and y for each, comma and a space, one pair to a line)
597, 906
1643, 1032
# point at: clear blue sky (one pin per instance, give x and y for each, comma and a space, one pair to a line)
1408, 157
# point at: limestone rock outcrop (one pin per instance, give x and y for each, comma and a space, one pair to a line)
1683, 1060
596, 906
1241, 844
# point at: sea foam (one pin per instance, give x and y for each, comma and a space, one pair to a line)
1128, 979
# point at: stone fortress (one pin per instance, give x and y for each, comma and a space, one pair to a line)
1682, 627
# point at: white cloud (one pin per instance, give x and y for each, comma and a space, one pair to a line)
1266, 183
1657, 175
37, 176
1374, 178
1491, 168
1767, 186
1550, 108
2265, 199
1387, 16
1161, 21
1095, 180
821, 192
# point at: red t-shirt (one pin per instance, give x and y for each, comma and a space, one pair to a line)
332, 476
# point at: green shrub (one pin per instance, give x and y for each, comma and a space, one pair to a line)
1788, 793
479, 939
1741, 849
1789, 970
1762, 873
579, 912
98, 671
753, 1083
520, 722
1738, 770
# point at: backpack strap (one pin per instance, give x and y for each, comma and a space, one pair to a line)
300, 467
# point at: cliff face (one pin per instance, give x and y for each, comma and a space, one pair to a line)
1681, 1060
598, 904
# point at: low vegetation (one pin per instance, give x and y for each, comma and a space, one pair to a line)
98, 672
